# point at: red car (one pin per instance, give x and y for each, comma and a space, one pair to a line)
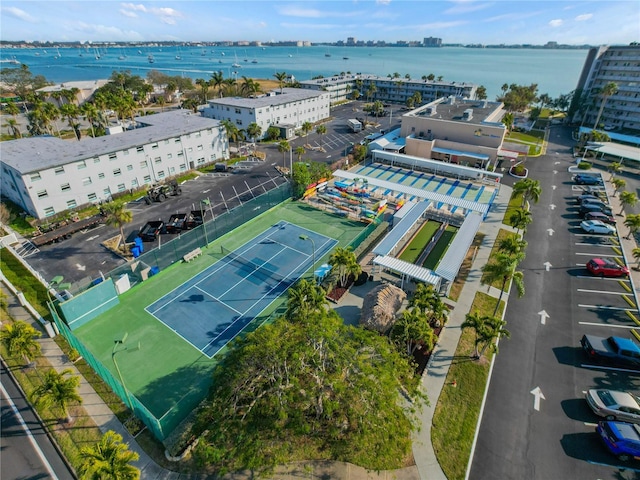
604, 267
603, 217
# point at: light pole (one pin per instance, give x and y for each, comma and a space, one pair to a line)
313, 245
204, 224
115, 350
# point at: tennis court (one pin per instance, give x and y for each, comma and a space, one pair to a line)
211, 308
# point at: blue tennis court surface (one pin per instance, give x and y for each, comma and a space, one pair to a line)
211, 308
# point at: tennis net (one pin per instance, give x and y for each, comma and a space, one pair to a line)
259, 270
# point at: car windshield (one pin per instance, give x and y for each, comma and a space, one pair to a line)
606, 398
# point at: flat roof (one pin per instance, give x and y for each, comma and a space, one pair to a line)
288, 95
621, 137
81, 85
454, 110
615, 149
449, 151
409, 269
400, 229
449, 265
31, 154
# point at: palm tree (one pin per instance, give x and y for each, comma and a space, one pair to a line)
117, 215
529, 189
108, 459
300, 151
614, 168
306, 128
233, 133
493, 329
14, 128
19, 338
254, 131
344, 265
281, 77
283, 148
92, 115
57, 390
475, 322
605, 92
502, 268
426, 299
520, 218
618, 183
633, 222
512, 245
627, 199
204, 88
412, 331
636, 255
217, 80
321, 130
305, 298
71, 112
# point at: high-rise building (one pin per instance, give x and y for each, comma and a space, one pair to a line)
432, 42
351, 41
619, 111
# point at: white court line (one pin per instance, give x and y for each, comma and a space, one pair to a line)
603, 307
594, 324
584, 290
30, 436
217, 300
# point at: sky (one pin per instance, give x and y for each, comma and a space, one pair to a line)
575, 22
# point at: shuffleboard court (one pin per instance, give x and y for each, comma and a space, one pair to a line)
214, 306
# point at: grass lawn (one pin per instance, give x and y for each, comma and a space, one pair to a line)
21, 278
456, 415
533, 139
440, 248
515, 203
502, 234
416, 246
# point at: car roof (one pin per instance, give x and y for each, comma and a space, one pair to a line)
595, 223
597, 214
624, 399
627, 431
605, 261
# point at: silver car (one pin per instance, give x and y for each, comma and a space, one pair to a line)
614, 405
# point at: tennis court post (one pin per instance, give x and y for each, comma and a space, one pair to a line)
313, 265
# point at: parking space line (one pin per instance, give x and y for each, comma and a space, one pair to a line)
613, 369
591, 277
583, 244
590, 424
595, 324
600, 255
604, 307
601, 291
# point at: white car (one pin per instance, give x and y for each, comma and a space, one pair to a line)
613, 405
597, 226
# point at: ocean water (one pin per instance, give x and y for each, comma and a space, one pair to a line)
555, 71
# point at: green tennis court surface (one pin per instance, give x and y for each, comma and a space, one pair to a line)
211, 308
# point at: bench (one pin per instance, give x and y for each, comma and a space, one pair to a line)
192, 254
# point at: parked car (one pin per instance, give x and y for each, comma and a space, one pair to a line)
621, 439
606, 268
595, 201
587, 196
603, 217
595, 207
614, 405
596, 226
614, 351
586, 179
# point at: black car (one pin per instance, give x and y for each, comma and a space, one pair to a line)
595, 207
588, 197
584, 179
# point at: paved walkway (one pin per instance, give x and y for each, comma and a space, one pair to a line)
427, 466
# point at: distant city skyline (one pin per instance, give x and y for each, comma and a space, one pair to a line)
575, 22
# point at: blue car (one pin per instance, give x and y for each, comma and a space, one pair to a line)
622, 439
585, 179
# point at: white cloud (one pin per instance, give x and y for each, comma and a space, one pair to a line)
133, 6
466, 6
301, 12
383, 2
556, 23
18, 13
583, 17
99, 32
128, 13
512, 17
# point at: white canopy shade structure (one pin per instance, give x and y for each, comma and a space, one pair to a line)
407, 269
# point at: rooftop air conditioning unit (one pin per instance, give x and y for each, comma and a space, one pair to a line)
467, 114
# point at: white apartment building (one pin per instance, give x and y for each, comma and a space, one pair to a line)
46, 175
292, 107
386, 89
619, 64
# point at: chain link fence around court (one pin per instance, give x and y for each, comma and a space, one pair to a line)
172, 251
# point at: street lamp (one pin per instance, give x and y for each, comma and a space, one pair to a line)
313, 245
118, 343
204, 224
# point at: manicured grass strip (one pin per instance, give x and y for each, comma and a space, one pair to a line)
414, 249
515, 203
456, 415
502, 234
440, 248
21, 278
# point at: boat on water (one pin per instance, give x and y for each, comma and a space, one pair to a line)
236, 65
178, 57
345, 58
150, 58
254, 61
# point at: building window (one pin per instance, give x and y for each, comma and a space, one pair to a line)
101, 175
134, 183
157, 160
107, 192
117, 172
190, 149
172, 170
59, 170
129, 167
143, 164
154, 146
183, 167
198, 134
71, 204
177, 140
113, 156
95, 160
180, 154
82, 165
238, 122
200, 161
126, 152
238, 111
169, 156
92, 197
139, 149
35, 176
121, 187
49, 211
42, 194
147, 179
161, 174
166, 142
65, 187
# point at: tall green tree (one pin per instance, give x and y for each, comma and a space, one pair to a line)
306, 128
254, 131
281, 77
636, 256
344, 265
412, 332
633, 223
427, 300
604, 93
118, 216
19, 338
487, 329
321, 130
520, 219
627, 199
529, 189
59, 390
305, 298
618, 183
217, 81
284, 147
300, 151
502, 268
512, 244
109, 459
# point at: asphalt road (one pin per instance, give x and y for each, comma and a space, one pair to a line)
553, 437
27, 451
